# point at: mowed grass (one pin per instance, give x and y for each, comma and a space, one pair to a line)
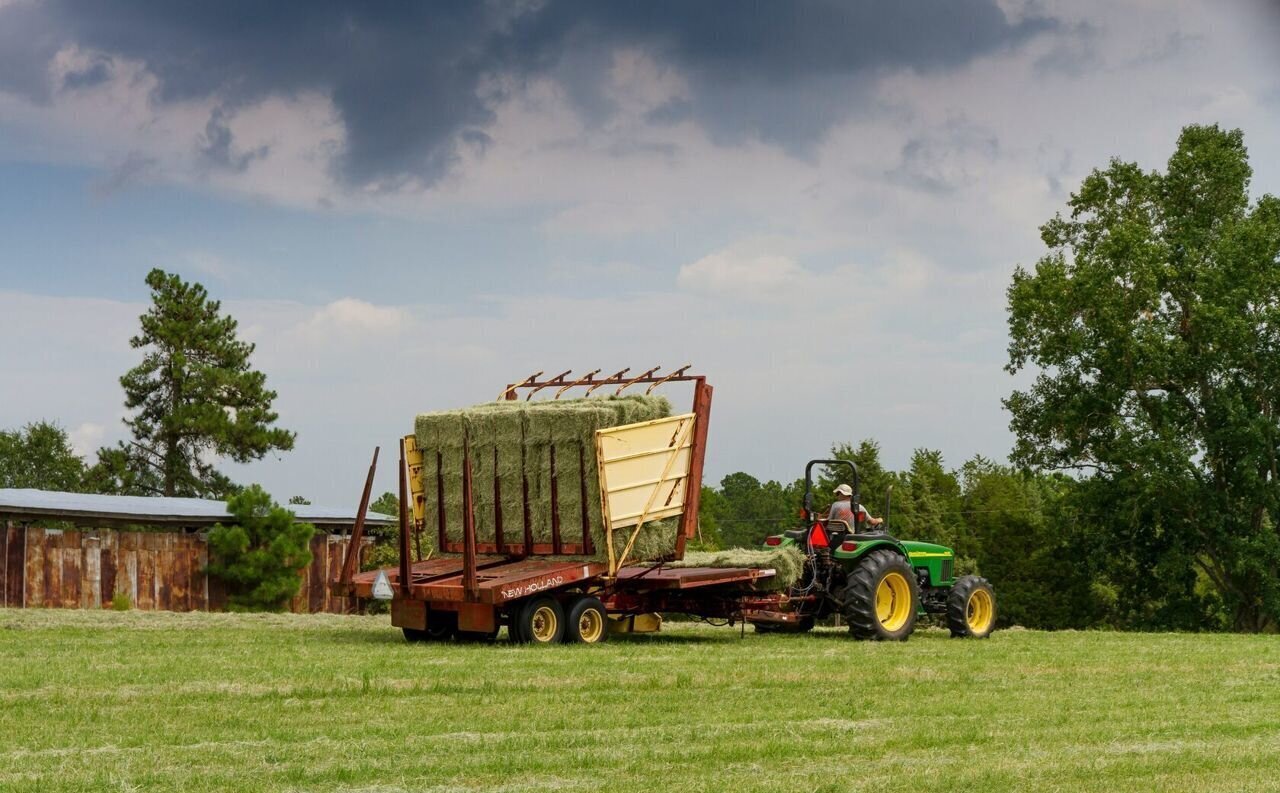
196, 702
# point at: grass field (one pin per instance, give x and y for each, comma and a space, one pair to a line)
194, 702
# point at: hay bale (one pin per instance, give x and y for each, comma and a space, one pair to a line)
788, 562
512, 443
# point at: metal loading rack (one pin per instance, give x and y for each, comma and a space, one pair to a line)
489, 584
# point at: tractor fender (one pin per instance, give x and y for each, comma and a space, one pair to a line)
865, 546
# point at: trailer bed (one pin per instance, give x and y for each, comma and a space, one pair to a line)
500, 579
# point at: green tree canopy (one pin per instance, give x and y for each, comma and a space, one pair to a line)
40, 456
261, 554
744, 510
195, 396
1153, 326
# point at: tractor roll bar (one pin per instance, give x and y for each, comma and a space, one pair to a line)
808, 489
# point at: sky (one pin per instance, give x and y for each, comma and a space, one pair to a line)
406, 206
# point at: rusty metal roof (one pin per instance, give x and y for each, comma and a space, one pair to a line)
90, 509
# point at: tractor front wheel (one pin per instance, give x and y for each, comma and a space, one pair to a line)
971, 608
880, 600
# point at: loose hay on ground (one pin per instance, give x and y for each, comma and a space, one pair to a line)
788, 562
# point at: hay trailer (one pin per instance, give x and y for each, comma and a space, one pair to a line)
565, 589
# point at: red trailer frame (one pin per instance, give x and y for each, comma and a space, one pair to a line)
483, 585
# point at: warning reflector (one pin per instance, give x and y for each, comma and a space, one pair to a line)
818, 538
382, 587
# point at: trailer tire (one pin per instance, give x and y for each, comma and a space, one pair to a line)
539, 620
881, 600
441, 625
586, 621
971, 608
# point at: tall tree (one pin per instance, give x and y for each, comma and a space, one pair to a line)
1153, 324
40, 456
196, 399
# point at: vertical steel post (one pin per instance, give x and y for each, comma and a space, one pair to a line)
357, 533
693, 484
405, 569
468, 525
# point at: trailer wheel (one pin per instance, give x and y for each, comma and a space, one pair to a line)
441, 626
539, 621
586, 621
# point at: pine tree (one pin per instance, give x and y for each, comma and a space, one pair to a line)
196, 399
260, 555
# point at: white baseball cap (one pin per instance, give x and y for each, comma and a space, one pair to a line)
844, 490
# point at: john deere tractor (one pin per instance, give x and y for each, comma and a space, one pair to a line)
877, 582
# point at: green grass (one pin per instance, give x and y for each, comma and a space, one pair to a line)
194, 702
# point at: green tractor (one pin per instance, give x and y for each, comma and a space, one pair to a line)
878, 583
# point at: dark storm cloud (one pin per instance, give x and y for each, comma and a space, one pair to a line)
412, 80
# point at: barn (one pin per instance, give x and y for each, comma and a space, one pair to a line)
81, 550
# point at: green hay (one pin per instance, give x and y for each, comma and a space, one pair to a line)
788, 562
512, 441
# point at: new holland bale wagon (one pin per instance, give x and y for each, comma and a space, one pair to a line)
566, 589
551, 583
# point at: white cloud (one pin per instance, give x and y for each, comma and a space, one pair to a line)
351, 317
86, 439
757, 276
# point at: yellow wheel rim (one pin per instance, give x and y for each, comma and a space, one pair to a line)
591, 626
980, 611
893, 602
543, 625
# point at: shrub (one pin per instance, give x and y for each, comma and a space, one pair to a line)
120, 602
260, 555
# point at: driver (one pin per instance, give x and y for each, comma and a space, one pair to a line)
842, 508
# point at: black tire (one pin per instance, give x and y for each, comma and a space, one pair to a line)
586, 621
539, 620
805, 625
513, 625
441, 625
971, 608
893, 619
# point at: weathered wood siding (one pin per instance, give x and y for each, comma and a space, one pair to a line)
164, 571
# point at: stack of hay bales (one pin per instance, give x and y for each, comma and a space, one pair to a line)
516, 444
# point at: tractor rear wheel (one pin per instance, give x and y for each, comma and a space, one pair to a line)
971, 608
880, 600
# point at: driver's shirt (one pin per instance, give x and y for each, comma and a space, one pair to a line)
842, 510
